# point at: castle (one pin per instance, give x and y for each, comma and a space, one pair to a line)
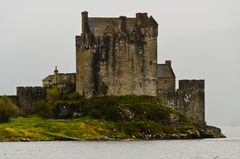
118, 56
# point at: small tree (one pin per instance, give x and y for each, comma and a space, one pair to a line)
7, 109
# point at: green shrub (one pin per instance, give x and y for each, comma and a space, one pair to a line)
40, 108
112, 108
101, 107
122, 108
45, 108
7, 109
131, 108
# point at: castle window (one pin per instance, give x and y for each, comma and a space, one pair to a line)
150, 62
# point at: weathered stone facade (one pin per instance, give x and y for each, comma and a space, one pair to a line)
166, 77
117, 56
27, 96
189, 99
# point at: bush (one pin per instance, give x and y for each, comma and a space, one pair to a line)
7, 109
124, 108
57, 104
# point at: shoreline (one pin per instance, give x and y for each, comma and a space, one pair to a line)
35, 129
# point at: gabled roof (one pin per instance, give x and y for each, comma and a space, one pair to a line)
48, 78
165, 70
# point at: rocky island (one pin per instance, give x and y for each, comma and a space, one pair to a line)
119, 92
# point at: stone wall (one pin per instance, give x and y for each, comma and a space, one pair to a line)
189, 100
27, 96
120, 59
165, 83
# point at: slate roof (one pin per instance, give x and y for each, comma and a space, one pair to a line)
165, 70
48, 78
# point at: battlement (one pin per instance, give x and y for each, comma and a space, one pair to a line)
27, 96
30, 90
100, 26
191, 84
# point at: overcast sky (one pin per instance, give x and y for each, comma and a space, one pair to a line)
201, 37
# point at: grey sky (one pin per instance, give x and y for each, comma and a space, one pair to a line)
201, 37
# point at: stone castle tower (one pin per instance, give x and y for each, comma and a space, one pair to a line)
117, 56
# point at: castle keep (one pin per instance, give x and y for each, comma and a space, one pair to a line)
118, 56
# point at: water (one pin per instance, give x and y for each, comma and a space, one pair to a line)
173, 149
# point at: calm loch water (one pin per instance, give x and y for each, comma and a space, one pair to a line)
180, 149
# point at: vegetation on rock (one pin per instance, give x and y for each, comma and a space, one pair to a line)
100, 118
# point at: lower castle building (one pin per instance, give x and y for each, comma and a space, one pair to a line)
60, 80
118, 56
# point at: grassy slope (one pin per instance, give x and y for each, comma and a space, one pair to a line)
37, 129
103, 118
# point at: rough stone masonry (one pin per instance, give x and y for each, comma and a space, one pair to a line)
118, 56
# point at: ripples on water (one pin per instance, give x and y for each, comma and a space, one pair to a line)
166, 149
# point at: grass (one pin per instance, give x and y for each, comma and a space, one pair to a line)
37, 129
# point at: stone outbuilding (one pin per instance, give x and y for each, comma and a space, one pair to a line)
165, 77
60, 79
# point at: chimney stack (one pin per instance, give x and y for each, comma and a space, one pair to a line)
84, 22
141, 18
